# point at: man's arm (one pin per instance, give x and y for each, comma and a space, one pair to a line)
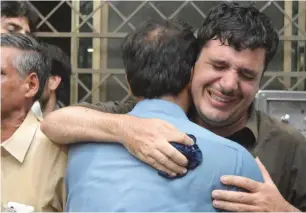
146, 139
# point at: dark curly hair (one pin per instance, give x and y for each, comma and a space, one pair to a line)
241, 27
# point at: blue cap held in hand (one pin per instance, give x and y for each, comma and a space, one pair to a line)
191, 152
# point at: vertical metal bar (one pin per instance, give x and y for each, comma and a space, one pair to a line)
104, 50
287, 44
301, 64
96, 55
73, 9
74, 54
91, 15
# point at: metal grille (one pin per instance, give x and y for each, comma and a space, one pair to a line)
97, 28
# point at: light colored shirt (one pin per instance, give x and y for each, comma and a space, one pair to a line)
106, 178
37, 110
33, 169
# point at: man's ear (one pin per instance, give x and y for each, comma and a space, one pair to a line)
53, 82
31, 85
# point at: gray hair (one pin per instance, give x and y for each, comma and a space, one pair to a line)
31, 60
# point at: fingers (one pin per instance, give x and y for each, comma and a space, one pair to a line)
234, 207
152, 162
265, 173
233, 196
180, 137
173, 154
241, 182
166, 162
151, 142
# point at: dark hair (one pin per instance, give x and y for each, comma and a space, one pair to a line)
158, 58
31, 58
60, 66
12, 9
241, 27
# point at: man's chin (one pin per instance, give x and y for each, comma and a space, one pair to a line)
216, 121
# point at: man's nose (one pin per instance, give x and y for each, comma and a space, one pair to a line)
229, 82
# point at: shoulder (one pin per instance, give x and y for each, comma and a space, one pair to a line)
43, 143
111, 106
229, 153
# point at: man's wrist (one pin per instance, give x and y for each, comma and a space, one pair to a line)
122, 130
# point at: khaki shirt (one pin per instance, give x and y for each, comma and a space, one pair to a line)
115, 107
33, 169
282, 149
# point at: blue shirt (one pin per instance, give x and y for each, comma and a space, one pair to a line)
106, 178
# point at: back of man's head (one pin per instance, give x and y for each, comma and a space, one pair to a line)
15, 9
31, 58
61, 67
241, 27
158, 58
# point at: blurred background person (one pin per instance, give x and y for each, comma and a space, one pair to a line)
57, 87
17, 16
32, 167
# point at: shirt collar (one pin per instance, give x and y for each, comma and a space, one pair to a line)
159, 106
252, 123
19, 143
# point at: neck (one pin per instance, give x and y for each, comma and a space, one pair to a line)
225, 131
50, 105
182, 99
10, 123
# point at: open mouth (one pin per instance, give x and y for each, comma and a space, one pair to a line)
221, 98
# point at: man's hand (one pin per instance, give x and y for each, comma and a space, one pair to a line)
262, 197
148, 140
